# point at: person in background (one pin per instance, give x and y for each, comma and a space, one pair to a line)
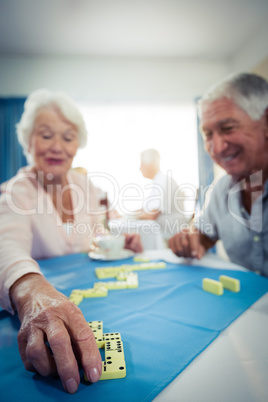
162, 203
234, 126
43, 210
158, 200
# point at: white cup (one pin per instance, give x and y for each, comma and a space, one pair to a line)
110, 245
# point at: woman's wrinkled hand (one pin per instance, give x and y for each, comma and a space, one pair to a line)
50, 322
133, 242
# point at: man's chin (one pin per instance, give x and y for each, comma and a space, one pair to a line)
236, 175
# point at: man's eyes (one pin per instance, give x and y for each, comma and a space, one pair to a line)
227, 128
207, 135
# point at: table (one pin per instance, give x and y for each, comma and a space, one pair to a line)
233, 367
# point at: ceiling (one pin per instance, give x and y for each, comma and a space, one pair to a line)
203, 29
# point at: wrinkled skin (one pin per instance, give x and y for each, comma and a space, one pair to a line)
47, 315
240, 146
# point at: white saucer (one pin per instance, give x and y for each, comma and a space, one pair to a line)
122, 255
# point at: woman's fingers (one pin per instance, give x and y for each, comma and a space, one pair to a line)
85, 346
48, 316
39, 355
133, 242
34, 352
63, 354
22, 344
66, 332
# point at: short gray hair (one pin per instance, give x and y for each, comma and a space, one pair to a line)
151, 156
248, 91
43, 99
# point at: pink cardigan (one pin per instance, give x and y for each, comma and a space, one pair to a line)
31, 228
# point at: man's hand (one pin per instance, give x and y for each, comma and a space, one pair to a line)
48, 316
190, 243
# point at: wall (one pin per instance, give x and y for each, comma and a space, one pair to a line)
110, 80
121, 80
262, 69
253, 52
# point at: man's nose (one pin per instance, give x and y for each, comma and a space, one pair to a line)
218, 144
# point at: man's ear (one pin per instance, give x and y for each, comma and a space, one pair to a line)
266, 123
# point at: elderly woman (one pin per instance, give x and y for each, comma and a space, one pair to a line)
41, 209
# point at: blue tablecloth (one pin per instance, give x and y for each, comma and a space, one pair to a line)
164, 325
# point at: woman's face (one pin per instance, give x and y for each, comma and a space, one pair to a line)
54, 143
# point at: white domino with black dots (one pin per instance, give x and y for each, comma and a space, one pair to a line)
114, 365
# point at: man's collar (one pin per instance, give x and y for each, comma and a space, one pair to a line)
234, 182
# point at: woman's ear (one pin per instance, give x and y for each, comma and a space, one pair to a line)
30, 143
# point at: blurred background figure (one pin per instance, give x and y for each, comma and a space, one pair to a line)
165, 201
157, 201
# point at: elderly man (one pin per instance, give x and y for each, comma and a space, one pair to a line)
234, 125
150, 169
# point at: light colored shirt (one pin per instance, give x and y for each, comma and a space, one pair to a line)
165, 196
161, 197
244, 235
31, 228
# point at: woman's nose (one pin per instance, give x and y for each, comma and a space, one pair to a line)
57, 144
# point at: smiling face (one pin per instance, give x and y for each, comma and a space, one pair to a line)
54, 143
233, 140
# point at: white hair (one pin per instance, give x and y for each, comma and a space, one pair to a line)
151, 156
248, 91
43, 99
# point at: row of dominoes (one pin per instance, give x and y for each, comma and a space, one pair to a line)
100, 289
113, 272
141, 259
77, 295
124, 274
224, 282
127, 280
114, 365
